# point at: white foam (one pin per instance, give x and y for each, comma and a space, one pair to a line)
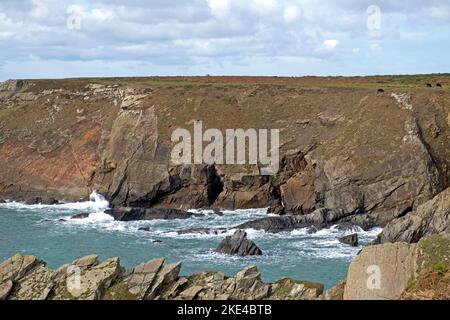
96, 203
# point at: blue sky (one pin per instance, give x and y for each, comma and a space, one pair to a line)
70, 38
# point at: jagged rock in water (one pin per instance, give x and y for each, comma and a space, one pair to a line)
351, 240
132, 214
429, 218
239, 245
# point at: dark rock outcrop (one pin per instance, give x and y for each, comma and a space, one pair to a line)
319, 219
239, 245
351, 240
41, 200
277, 209
133, 214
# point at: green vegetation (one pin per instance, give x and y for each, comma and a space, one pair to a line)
434, 251
440, 268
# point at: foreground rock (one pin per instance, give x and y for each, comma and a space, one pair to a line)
132, 214
385, 271
239, 245
25, 277
432, 217
351, 240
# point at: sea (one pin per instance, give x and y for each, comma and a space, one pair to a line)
47, 232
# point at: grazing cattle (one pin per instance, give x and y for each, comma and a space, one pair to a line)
439, 85
429, 85
380, 91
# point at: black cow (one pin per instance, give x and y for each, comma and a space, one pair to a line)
429, 85
439, 85
380, 91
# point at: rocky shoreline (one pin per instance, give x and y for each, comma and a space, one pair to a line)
339, 167
26, 277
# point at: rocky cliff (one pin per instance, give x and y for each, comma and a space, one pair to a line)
344, 146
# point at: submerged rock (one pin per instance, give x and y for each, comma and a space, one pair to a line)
80, 216
144, 229
239, 245
351, 240
216, 231
132, 214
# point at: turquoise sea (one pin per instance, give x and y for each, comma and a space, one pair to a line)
48, 233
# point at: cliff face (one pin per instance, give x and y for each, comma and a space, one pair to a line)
343, 145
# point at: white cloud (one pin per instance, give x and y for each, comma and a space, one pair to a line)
219, 8
264, 7
331, 43
291, 14
197, 33
103, 15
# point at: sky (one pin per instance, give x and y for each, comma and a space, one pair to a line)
81, 38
